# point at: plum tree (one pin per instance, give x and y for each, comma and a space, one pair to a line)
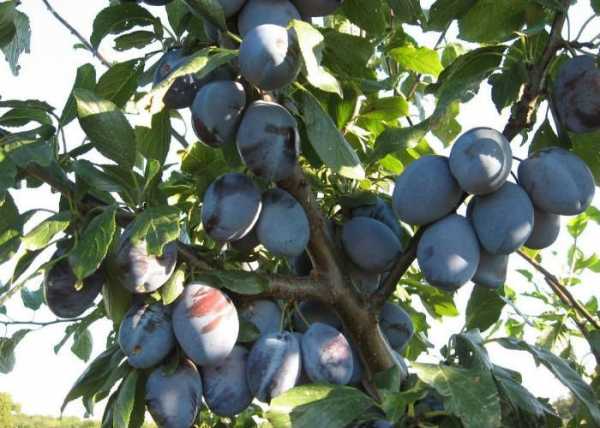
146, 334
426, 191
283, 226
383, 212
205, 322
481, 160
230, 207
396, 325
491, 271
274, 365
217, 111
546, 227
370, 244
448, 253
264, 314
503, 220
313, 311
259, 12
174, 399
576, 92
140, 272
326, 355
268, 140
61, 293
270, 57
311, 8
557, 181
226, 389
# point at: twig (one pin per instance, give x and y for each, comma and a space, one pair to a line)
76, 33
41, 324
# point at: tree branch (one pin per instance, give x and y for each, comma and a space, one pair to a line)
40, 323
77, 34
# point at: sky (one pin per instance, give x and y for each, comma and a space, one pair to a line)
41, 378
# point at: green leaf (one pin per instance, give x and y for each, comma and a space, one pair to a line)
157, 226
399, 139
40, 236
8, 30
443, 12
408, 11
154, 142
506, 85
120, 82
177, 12
124, 405
241, 282
327, 140
544, 138
563, 371
106, 127
490, 21
85, 79
135, 39
21, 116
418, 59
386, 108
348, 55
171, 290
93, 244
311, 44
96, 178
577, 225
209, 9
117, 19
596, 6
7, 350
318, 406
371, 15
116, 298
483, 309
82, 344
19, 44
11, 228
248, 332
32, 299
587, 147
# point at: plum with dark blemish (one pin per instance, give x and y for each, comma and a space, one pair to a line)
546, 227
313, 311
61, 293
274, 365
383, 212
326, 355
259, 12
268, 140
174, 399
557, 181
226, 389
264, 314
370, 244
270, 57
205, 322
448, 253
503, 220
146, 335
312, 8
230, 208
396, 325
217, 111
492, 269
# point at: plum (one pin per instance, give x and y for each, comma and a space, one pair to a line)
274, 365
231, 207
174, 399
282, 226
226, 389
62, 296
313, 311
301, 265
481, 160
146, 335
270, 57
140, 272
231, 7
491, 272
448, 253
264, 314
366, 282
557, 181
426, 191
546, 227
259, 12
205, 323
268, 140
370, 244
183, 90
157, 2
217, 111
503, 220
383, 212
401, 364
312, 8
326, 355
396, 325
375, 423
357, 369
577, 94
247, 244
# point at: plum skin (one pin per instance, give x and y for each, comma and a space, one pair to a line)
259, 12
546, 228
396, 325
491, 271
312, 312
264, 314
380, 211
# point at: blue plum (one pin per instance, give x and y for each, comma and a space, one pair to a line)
231, 207
312, 8
370, 244
357, 369
383, 212
247, 244
146, 335
301, 265
205, 323
426, 191
157, 2
226, 389
268, 140
264, 314
231, 7
270, 57
375, 423
174, 399
259, 12
503, 220
557, 181
448, 253
326, 355
546, 227
274, 365
217, 112
481, 160
396, 325
282, 226
312, 311
366, 282
492, 269
183, 90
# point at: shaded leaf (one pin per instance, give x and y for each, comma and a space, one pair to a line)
40, 236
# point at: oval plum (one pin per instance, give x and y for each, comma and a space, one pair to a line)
326, 355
